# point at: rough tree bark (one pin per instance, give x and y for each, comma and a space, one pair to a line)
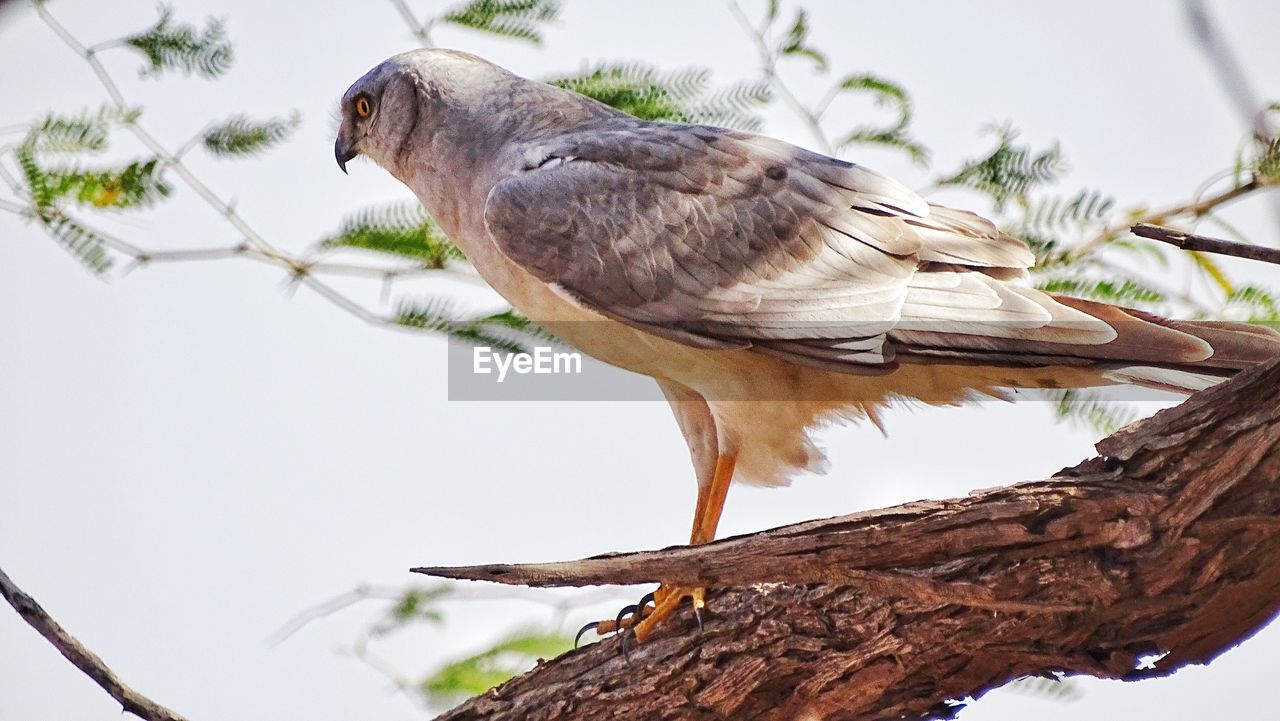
1167, 543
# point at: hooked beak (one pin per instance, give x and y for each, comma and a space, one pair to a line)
343, 150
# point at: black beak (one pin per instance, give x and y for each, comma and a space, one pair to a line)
343, 152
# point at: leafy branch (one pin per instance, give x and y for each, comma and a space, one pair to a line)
513, 19
50, 193
794, 43
178, 46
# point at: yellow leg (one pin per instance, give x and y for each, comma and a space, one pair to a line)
706, 518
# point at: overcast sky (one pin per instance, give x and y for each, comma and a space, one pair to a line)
189, 455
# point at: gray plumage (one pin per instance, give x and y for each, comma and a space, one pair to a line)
737, 246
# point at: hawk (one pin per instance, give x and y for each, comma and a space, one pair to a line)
766, 288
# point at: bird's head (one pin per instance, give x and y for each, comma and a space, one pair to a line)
414, 101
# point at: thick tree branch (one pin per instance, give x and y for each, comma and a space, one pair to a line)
1166, 546
83, 659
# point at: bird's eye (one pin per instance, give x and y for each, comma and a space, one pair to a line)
362, 106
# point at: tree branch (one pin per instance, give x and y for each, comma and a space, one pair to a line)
1166, 546
83, 659
1205, 244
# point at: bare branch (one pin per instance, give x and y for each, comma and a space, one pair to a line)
1166, 547
769, 65
1225, 63
83, 659
420, 29
1194, 209
1205, 244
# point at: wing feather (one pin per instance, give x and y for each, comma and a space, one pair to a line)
722, 239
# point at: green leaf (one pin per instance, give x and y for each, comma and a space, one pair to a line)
1084, 210
401, 229
42, 196
1263, 305
678, 96
86, 132
518, 19
471, 676
886, 93
507, 331
178, 46
135, 185
82, 242
1111, 291
1009, 171
1143, 249
1266, 168
771, 12
241, 136
795, 44
1090, 409
417, 605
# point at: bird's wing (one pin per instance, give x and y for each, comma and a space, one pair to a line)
723, 239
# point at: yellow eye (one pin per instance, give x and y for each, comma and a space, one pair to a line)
362, 106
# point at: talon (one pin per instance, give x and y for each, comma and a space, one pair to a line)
668, 600
584, 629
631, 610
645, 600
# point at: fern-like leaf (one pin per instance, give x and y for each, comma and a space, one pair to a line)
480, 672
136, 185
402, 229
796, 42
83, 243
1009, 171
886, 93
1091, 409
169, 45
1261, 305
1085, 209
518, 19
1117, 291
86, 132
507, 331
678, 96
241, 136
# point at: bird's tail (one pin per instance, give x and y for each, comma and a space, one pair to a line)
1178, 355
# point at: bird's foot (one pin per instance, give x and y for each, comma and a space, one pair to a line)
666, 601
652, 610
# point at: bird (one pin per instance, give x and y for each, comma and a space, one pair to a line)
768, 289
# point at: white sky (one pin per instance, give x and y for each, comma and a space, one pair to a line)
188, 456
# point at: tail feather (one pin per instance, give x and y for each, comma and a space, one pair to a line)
1144, 349
1232, 347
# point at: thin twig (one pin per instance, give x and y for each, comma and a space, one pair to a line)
365, 592
1227, 66
769, 64
1223, 58
81, 657
420, 30
254, 246
1205, 244
1194, 209
167, 158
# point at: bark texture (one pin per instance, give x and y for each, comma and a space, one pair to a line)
1166, 544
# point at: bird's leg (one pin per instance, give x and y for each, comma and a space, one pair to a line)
706, 517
